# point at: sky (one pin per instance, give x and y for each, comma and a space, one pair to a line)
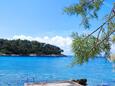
44, 20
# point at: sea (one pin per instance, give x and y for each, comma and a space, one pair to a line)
17, 70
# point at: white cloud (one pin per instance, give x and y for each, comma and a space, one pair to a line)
63, 42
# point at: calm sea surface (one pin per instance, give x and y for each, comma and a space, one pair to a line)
15, 71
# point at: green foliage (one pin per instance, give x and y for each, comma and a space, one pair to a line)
113, 39
84, 49
25, 47
87, 9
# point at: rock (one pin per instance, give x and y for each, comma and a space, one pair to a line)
81, 81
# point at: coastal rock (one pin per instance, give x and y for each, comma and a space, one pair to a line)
81, 81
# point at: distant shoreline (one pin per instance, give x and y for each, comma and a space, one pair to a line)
32, 55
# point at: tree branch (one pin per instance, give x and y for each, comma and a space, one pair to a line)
100, 26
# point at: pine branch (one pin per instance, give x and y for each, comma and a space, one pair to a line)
100, 27
112, 11
107, 36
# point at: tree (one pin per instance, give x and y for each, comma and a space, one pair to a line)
89, 46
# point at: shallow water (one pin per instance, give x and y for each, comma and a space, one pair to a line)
15, 71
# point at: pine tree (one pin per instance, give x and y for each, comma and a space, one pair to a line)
89, 46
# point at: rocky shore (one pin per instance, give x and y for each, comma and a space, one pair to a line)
81, 82
42, 55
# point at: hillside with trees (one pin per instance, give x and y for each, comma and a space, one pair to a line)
28, 48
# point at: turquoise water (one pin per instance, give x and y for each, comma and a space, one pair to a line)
15, 71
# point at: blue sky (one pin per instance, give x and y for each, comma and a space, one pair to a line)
41, 18
38, 18
35, 18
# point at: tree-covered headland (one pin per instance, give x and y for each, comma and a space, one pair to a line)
26, 47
